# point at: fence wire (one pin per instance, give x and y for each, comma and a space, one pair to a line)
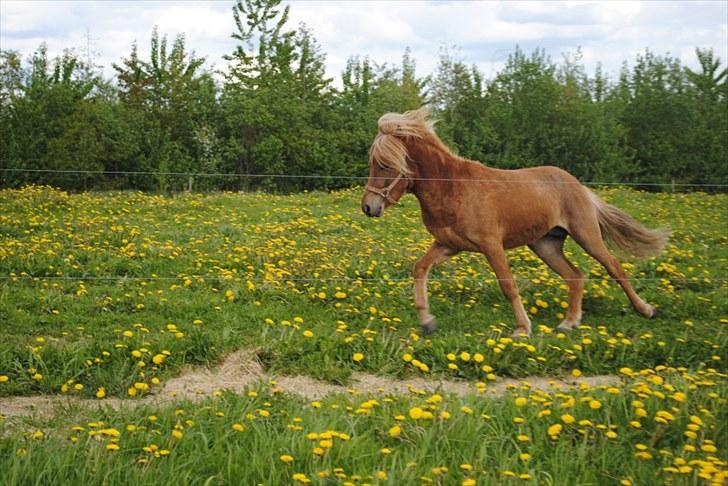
343, 279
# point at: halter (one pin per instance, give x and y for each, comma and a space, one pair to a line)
385, 191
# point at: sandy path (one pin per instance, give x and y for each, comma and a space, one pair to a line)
242, 369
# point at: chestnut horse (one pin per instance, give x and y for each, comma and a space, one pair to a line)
467, 206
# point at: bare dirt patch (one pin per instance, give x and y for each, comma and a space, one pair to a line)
239, 370
242, 369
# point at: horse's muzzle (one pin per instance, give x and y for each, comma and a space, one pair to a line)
372, 212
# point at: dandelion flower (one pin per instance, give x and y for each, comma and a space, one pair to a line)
416, 413
286, 458
554, 430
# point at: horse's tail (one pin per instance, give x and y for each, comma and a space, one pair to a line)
623, 232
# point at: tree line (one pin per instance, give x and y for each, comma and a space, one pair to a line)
273, 111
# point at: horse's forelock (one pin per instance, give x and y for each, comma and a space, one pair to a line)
389, 151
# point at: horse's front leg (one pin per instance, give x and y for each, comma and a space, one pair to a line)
496, 256
437, 254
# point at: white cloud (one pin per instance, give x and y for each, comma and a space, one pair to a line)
609, 32
198, 21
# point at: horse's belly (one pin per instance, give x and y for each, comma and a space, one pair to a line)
525, 235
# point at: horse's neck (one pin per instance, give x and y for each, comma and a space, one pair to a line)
431, 161
436, 176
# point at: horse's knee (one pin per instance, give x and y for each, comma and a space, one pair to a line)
419, 272
576, 283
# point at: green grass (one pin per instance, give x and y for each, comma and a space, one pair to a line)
191, 278
477, 433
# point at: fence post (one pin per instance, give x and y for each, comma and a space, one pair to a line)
189, 184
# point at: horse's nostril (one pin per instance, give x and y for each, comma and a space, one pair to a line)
366, 209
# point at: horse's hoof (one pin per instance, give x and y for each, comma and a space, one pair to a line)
429, 326
567, 326
521, 333
651, 312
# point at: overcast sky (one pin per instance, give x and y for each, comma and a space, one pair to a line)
609, 32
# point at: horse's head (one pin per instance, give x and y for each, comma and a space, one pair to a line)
389, 172
384, 188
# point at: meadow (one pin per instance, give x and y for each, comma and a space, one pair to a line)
107, 296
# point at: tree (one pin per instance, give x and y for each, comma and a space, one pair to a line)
41, 102
522, 101
11, 77
656, 114
170, 100
456, 93
709, 112
277, 101
711, 82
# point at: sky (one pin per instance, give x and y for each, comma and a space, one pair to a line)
480, 33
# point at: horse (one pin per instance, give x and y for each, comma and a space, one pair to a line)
467, 206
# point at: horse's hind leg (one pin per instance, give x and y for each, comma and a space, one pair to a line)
437, 254
550, 249
590, 238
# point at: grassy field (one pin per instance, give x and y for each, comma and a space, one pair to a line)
111, 294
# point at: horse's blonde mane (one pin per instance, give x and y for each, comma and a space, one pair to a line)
388, 148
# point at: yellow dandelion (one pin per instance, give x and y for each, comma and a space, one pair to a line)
416, 413
286, 458
554, 430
